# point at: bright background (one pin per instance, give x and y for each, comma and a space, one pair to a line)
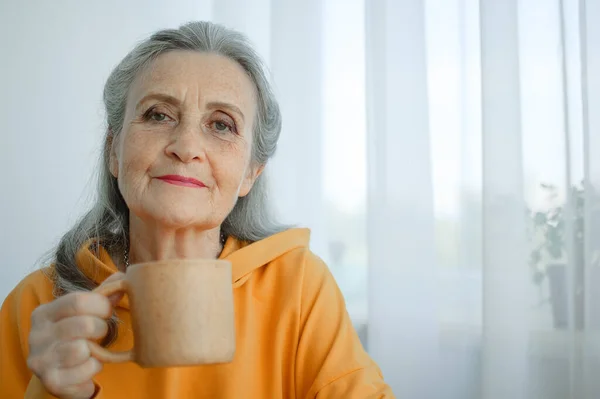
416, 137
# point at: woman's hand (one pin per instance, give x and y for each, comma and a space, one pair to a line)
58, 350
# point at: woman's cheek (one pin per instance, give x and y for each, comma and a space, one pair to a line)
232, 176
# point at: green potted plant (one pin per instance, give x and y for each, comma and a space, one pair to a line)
549, 258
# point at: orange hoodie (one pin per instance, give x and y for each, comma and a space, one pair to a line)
294, 336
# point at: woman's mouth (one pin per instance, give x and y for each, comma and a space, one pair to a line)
178, 180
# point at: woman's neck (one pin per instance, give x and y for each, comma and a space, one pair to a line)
149, 242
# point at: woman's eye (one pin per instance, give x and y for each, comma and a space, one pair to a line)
221, 126
153, 115
158, 117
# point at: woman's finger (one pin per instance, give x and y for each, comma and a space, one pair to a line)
89, 327
80, 373
69, 381
74, 304
72, 353
83, 391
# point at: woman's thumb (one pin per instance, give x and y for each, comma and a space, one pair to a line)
114, 277
114, 298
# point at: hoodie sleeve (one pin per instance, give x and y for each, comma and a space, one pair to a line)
16, 380
331, 362
14, 374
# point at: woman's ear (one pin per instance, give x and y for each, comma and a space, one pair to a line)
251, 176
113, 161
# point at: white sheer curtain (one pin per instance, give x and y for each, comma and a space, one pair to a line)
421, 141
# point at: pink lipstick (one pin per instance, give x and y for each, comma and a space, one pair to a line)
182, 181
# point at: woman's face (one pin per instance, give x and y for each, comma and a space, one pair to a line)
183, 156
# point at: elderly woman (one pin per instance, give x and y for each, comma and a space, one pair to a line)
191, 123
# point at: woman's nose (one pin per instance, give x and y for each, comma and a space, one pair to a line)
188, 143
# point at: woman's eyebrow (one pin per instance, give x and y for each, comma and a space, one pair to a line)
228, 106
159, 96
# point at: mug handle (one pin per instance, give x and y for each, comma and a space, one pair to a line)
100, 353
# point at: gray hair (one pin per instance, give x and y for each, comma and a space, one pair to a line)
106, 224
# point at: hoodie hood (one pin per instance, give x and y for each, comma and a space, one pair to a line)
244, 257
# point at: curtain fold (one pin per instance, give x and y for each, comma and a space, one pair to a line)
584, 101
296, 170
504, 263
402, 334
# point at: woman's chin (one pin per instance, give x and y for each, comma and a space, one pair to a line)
174, 217
179, 221
176, 213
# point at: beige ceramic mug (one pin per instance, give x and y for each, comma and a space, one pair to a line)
181, 312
